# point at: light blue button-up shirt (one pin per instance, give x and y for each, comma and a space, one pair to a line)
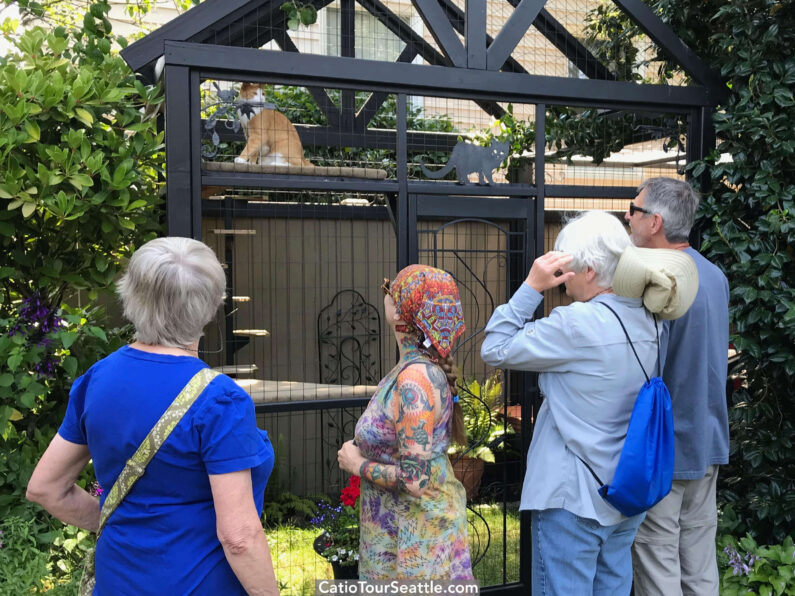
590, 379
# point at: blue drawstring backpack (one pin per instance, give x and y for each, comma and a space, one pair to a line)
646, 466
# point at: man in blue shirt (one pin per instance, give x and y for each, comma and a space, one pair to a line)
674, 550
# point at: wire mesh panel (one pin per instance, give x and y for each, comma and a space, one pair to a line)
484, 258
303, 281
261, 128
286, 263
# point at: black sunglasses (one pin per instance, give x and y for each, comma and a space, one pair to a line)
633, 207
385, 287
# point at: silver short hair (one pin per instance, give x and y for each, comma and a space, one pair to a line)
172, 288
594, 239
676, 202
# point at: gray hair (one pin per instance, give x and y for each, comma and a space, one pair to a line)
675, 201
594, 239
172, 288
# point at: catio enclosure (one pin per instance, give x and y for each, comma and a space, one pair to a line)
369, 107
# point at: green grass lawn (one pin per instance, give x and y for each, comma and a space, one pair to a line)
298, 566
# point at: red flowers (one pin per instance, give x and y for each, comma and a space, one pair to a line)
350, 494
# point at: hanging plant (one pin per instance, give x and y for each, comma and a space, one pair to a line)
299, 13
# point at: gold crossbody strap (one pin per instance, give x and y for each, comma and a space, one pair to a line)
136, 465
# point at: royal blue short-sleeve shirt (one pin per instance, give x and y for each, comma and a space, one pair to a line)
162, 538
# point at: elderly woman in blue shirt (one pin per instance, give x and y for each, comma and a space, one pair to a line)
589, 378
191, 524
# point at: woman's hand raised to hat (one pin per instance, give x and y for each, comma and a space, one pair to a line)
546, 271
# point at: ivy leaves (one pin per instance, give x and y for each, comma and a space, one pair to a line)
749, 231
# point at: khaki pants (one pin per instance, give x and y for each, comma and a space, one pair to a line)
674, 550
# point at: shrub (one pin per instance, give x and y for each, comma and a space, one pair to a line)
22, 564
80, 158
752, 569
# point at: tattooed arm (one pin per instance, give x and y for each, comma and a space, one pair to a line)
415, 396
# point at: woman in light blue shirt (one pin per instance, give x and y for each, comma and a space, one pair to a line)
590, 378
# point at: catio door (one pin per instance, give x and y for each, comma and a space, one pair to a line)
486, 243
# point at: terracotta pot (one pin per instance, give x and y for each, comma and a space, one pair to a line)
469, 471
513, 414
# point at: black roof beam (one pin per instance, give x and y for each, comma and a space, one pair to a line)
415, 79
322, 99
458, 20
550, 28
260, 26
208, 14
571, 47
370, 108
475, 33
392, 22
512, 32
442, 31
674, 47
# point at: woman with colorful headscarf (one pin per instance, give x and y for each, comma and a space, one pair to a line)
413, 510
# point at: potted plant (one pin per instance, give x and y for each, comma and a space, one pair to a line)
520, 135
481, 404
338, 542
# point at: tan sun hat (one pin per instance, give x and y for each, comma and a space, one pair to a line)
666, 279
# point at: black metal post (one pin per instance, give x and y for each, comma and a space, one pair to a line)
406, 228
195, 153
475, 33
348, 50
700, 141
179, 219
230, 345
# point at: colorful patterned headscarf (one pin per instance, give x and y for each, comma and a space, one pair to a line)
427, 299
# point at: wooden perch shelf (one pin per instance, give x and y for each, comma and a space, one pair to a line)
252, 332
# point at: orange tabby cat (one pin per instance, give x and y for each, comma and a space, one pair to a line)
271, 139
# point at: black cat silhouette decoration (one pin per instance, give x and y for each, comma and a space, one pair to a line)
468, 159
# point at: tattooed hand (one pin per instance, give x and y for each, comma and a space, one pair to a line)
350, 458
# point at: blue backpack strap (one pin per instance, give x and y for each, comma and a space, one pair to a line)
632, 346
590, 469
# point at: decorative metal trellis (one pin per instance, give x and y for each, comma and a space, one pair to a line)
349, 340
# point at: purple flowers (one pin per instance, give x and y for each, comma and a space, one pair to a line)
326, 515
36, 322
38, 319
95, 489
741, 565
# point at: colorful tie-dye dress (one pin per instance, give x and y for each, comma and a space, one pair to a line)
402, 536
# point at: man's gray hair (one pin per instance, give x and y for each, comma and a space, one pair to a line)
675, 201
595, 239
172, 288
